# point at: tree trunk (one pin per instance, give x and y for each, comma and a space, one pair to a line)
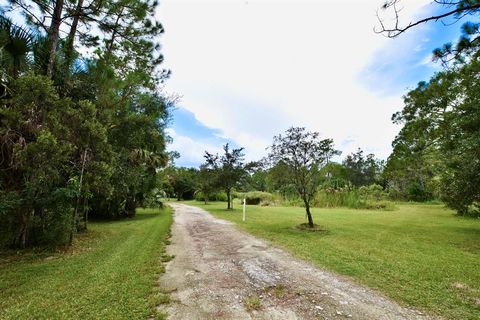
54, 34
72, 33
16, 68
309, 215
114, 33
130, 206
22, 239
85, 213
228, 200
75, 212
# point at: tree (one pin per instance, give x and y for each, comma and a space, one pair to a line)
361, 170
229, 169
255, 177
451, 11
441, 116
303, 154
81, 134
183, 182
441, 130
15, 43
206, 182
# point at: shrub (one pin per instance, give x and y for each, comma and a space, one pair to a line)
219, 196
395, 194
364, 198
256, 197
417, 192
373, 192
331, 198
252, 303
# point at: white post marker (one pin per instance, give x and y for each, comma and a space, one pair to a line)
244, 207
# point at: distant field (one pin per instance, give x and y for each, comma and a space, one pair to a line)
111, 273
420, 255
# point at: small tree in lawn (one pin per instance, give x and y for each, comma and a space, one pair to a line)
229, 169
303, 154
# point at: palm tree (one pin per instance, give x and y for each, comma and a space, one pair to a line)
15, 45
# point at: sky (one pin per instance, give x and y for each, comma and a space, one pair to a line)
248, 70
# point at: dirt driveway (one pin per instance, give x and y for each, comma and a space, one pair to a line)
220, 272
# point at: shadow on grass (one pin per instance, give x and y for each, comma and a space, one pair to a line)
137, 217
46, 253
316, 228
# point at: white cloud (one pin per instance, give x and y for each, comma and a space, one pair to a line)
253, 68
191, 151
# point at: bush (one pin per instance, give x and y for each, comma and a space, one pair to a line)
219, 196
417, 192
256, 197
371, 198
395, 194
331, 198
373, 192
154, 199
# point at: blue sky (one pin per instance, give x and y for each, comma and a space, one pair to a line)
247, 71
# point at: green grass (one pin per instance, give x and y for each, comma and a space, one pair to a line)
419, 255
110, 273
252, 303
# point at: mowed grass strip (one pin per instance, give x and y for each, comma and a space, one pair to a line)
419, 255
112, 273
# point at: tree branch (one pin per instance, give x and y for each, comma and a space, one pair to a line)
397, 30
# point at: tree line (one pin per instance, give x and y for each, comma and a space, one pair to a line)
299, 163
82, 121
438, 149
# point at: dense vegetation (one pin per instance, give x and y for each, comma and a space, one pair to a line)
82, 122
357, 182
421, 255
111, 272
437, 152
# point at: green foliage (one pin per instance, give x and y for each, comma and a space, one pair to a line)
252, 303
35, 164
15, 45
362, 170
332, 198
218, 196
81, 135
302, 155
206, 185
183, 182
447, 13
373, 192
255, 197
227, 170
435, 150
257, 177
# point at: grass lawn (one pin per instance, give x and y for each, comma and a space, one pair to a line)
110, 273
420, 255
